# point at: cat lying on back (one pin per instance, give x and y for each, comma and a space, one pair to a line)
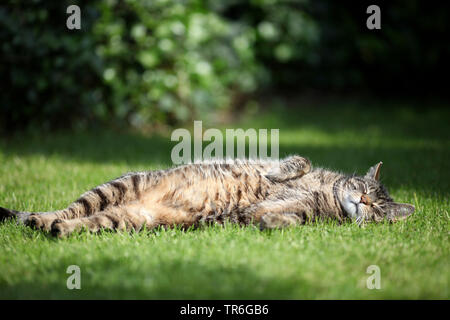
269, 193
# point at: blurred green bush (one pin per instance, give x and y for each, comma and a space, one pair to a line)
144, 62
140, 62
168, 61
49, 75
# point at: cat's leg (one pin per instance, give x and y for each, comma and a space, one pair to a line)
116, 192
127, 217
278, 213
272, 220
115, 218
290, 168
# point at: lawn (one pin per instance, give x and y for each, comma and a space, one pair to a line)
41, 172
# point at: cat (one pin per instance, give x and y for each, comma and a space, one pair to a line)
273, 194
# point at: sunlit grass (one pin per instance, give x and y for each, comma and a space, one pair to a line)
321, 260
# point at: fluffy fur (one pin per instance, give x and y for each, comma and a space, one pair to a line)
273, 194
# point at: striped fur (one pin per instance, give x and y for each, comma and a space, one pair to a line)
269, 193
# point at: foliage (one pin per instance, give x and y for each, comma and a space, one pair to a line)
138, 61
49, 74
163, 61
169, 60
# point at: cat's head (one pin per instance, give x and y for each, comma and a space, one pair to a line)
366, 199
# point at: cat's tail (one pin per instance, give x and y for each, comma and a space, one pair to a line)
6, 214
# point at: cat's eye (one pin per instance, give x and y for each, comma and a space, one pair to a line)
366, 189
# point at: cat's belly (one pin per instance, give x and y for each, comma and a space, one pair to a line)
179, 202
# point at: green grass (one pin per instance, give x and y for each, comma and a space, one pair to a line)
317, 261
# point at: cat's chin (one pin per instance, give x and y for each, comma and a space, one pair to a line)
350, 207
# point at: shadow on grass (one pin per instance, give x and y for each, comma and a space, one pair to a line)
392, 119
94, 146
169, 280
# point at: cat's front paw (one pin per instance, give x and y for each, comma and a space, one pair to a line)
277, 220
292, 168
269, 221
38, 222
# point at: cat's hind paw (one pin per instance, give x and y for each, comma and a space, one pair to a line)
38, 222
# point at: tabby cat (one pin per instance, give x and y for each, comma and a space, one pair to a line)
273, 194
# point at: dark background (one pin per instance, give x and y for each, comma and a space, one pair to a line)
150, 63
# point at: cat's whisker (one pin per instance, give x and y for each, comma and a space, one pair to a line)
360, 221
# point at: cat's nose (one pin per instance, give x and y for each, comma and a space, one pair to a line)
365, 199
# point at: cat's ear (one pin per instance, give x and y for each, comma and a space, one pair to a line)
398, 211
374, 172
